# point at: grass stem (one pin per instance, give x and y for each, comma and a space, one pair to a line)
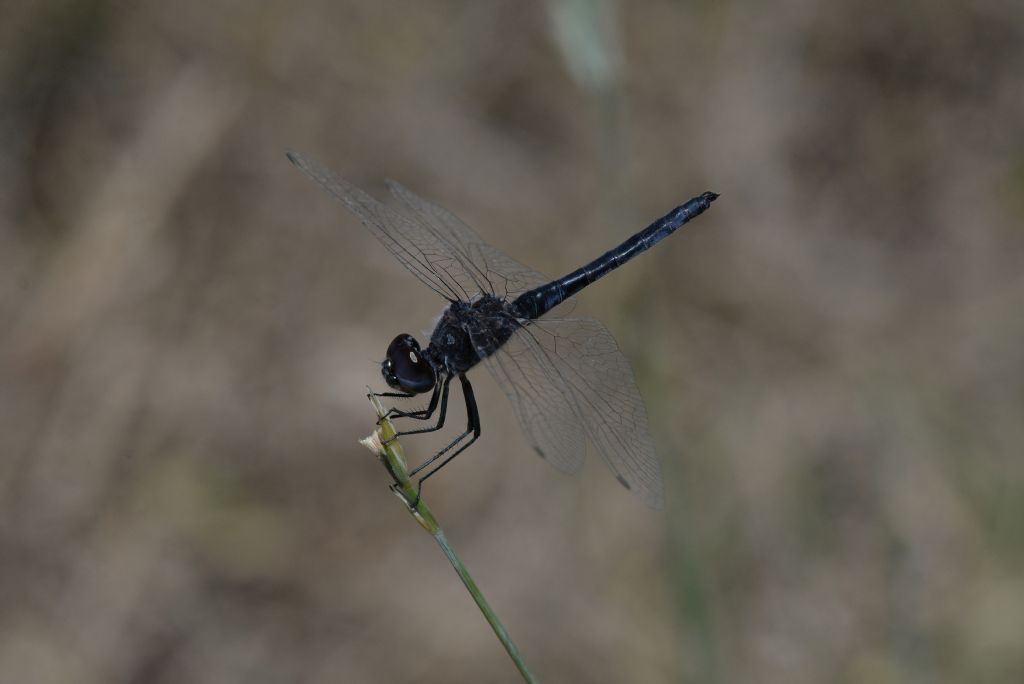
387, 447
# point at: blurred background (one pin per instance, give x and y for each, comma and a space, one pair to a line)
832, 357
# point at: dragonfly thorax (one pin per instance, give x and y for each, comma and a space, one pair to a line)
468, 332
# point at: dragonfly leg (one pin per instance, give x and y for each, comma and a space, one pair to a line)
426, 413
473, 428
405, 395
422, 414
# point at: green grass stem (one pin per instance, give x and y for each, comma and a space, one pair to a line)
391, 456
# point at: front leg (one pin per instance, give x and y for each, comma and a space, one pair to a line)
403, 395
422, 414
426, 413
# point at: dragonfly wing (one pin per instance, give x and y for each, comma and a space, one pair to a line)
505, 275
547, 409
430, 255
580, 365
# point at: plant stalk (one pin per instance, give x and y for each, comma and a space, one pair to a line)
388, 449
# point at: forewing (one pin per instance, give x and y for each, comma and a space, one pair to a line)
579, 364
427, 253
505, 275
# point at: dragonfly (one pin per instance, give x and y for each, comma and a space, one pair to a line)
565, 377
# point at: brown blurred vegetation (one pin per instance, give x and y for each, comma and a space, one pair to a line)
832, 357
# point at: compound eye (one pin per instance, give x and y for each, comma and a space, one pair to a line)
405, 368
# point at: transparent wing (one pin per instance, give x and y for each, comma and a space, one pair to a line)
432, 255
506, 276
562, 375
545, 405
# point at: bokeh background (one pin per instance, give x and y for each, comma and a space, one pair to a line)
833, 357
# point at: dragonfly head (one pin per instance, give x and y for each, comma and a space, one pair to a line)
404, 367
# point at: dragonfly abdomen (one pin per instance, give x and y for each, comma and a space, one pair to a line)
538, 301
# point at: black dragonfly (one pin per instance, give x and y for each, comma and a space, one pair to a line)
565, 377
